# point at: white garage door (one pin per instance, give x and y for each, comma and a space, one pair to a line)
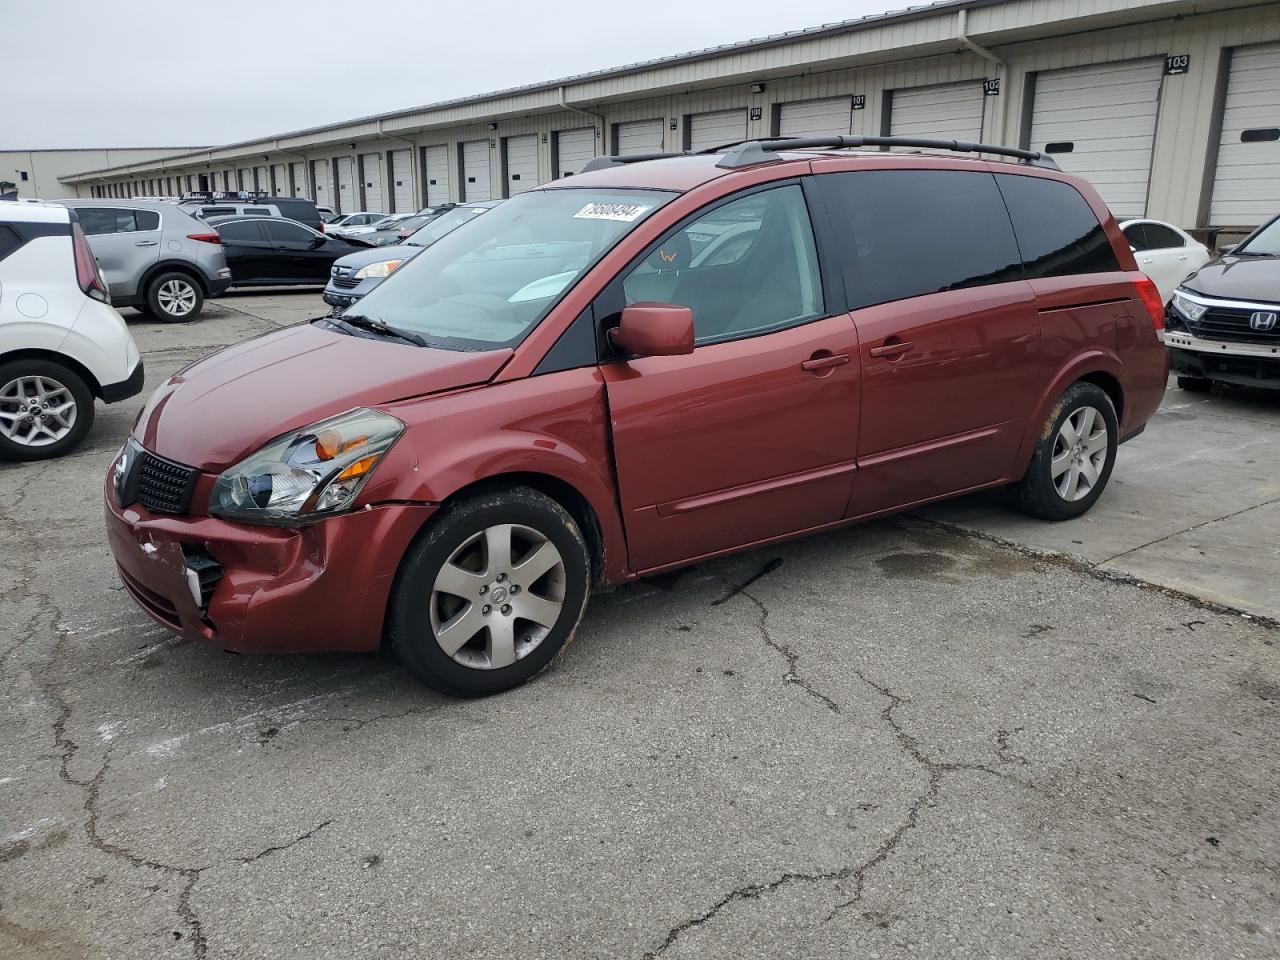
324, 183
297, 178
1100, 122
475, 170
262, 179
1246, 186
637, 136
348, 202
949, 111
280, 180
816, 118
521, 156
402, 181
244, 179
371, 174
713, 129
435, 170
574, 148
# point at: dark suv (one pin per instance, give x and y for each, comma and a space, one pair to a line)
1223, 323
291, 208
636, 368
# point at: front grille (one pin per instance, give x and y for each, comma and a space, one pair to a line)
160, 485
164, 486
1232, 324
345, 280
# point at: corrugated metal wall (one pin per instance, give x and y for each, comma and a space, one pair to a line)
823, 67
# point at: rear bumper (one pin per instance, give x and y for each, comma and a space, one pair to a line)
129, 387
321, 588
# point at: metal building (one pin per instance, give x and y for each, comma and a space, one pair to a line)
1171, 107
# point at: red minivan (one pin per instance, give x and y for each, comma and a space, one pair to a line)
640, 367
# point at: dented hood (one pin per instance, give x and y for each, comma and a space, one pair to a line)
218, 410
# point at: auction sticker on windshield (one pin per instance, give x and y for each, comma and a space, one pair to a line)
626, 212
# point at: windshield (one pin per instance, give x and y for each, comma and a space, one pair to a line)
488, 285
1265, 243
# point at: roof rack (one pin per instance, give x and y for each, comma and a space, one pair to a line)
751, 152
603, 163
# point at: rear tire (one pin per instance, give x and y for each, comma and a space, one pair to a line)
1073, 457
46, 409
490, 592
1195, 384
174, 297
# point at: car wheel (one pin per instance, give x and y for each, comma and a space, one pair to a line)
1195, 384
174, 298
46, 410
1073, 457
490, 592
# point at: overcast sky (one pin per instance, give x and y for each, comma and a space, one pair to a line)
125, 73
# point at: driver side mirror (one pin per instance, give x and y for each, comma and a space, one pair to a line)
654, 330
318, 242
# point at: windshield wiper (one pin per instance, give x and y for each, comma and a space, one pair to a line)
377, 326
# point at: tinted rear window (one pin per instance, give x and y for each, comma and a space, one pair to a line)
9, 240
147, 219
906, 233
1058, 233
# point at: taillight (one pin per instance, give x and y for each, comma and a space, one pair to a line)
205, 237
88, 276
1151, 298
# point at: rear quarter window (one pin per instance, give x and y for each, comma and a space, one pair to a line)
9, 240
1057, 231
906, 233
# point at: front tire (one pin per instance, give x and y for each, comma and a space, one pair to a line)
1073, 457
174, 297
46, 410
490, 592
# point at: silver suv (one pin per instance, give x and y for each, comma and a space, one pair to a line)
155, 256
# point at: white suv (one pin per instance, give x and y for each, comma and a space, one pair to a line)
61, 342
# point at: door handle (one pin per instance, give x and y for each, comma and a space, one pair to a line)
894, 348
1148, 259
825, 362
147, 243
1181, 258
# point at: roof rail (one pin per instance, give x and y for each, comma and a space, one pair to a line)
759, 151
604, 163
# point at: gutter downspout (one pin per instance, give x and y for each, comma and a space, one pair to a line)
1002, 68
601, 131
419, 185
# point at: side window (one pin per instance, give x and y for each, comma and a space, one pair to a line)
96, 221
244, 232
9, 240
907, 233
1136, 234
1160, 237
743, 268
254, 212
281, 232
146, 219
1058, 233
217, 211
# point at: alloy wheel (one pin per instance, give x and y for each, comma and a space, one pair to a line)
1079, 453
177, 298
36, 411
497, 596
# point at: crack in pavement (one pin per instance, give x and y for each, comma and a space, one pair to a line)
1088, 569
285, 846
736, 589
855, 872
1194, 526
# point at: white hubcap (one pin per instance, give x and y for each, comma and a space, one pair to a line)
498, 596
1079, 453
36, 411
177, 297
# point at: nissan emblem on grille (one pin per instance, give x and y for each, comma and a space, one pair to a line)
1262, 321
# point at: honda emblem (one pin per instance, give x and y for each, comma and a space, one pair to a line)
1262, 321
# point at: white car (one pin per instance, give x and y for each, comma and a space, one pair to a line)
350, 221
62, 344
1165, 253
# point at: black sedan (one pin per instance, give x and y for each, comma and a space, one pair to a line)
271, 251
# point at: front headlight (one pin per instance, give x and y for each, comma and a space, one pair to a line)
1187, 307
308, 474
377, 270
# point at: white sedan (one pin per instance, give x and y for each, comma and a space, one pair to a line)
1164, 253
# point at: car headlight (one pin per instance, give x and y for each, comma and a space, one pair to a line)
308, 474
1187, 307
380, 269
